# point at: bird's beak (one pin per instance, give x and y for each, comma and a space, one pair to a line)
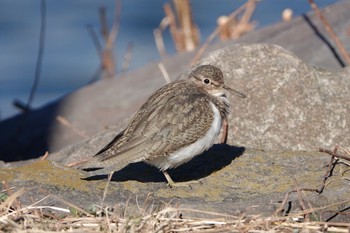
234, 91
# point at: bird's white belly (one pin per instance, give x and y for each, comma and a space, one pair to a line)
185, 154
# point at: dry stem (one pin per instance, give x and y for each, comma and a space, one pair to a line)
331, 32
216, 32
69, 125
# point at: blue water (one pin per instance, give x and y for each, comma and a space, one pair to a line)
70, 58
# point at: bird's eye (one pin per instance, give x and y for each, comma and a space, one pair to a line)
206, 81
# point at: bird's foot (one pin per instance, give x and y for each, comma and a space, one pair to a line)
183, 184
172, 183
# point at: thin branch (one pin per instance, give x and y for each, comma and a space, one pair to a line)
103, 22
48, 207
164, 72
45, 156
331, 166
249, 12
127, 57
331, 32
95, 39
12, 197
300, 198
76, 163
286, 197
187, 29
20, 105
301, 201
66, 123
337, 155
108, 59
115, 27
158, 38
215, 33
328, 173
40, 53
110, 175
99, 50
158, 35
172, 26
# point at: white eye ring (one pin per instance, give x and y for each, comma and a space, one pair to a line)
206, 81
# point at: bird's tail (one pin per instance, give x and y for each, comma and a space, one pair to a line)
94, 167
106, 163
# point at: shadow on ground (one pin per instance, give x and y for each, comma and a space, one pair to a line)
26, 136
218, 157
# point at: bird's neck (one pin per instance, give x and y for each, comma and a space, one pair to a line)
222, 103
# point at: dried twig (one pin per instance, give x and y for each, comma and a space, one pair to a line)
110, 175
286, 197
7, 204
337, 155
331, 32
71, 205
159, 42
184, 32
48, 207
164, 72
164, 23
66, 123
235, 28
215, 33
108, 60
20, 105
127, 57
45, 156
188, 31
76, 163
115, 26
172, 26
300, 199
330, 167
327, 174
103, 22
302, 203
95, 39
40, 53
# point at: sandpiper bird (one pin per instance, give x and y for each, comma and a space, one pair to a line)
178, 122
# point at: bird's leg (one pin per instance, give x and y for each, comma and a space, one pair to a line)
223, 131
172, 183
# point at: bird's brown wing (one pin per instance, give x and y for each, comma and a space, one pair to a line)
111, 143
164, 125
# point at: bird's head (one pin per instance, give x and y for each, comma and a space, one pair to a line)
211, 79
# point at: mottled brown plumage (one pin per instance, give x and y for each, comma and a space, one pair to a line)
178, 115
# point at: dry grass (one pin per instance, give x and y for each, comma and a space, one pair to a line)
183, 30
37, 218
186, 35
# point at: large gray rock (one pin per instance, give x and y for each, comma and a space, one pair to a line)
290, 105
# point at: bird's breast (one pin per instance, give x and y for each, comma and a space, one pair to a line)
186, 153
